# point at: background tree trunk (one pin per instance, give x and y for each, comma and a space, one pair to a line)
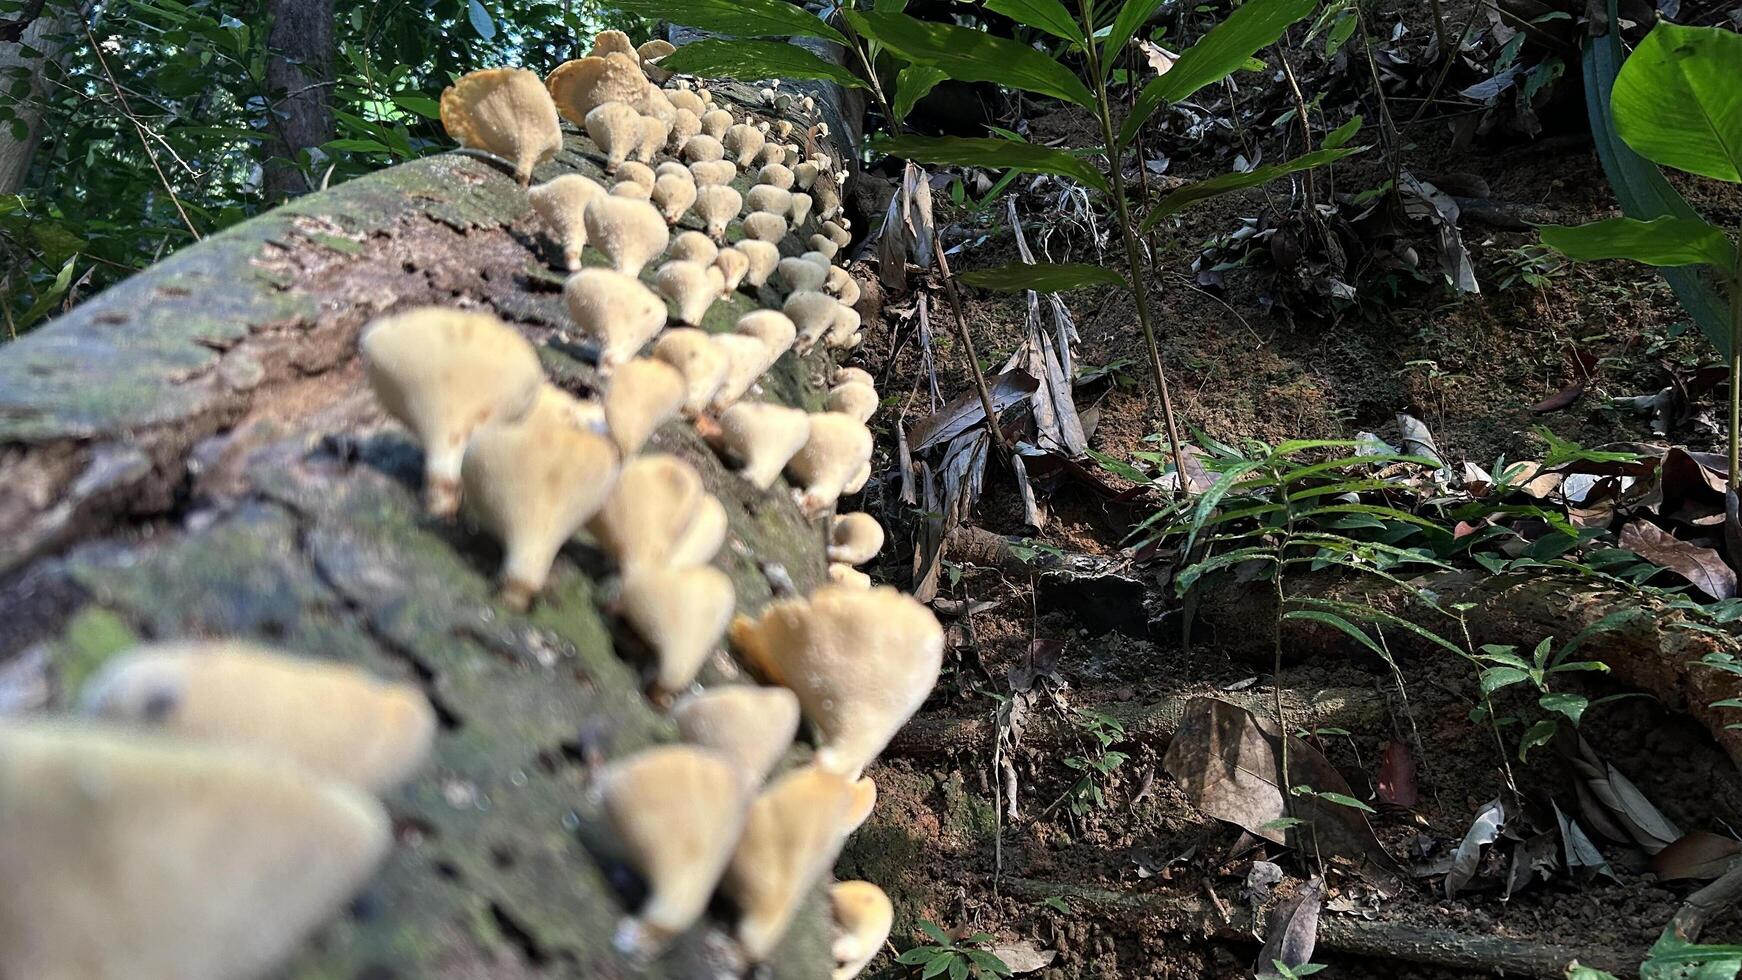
299, 74
33, 39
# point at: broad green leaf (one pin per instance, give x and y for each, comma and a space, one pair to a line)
912, 84
1539, 733
1342, 134
1132, 15
1044, 15
354, 146
1344, 799
1205, 189
48, 297
1046, 277
1571, 705
480, 19
753, 60
1677, 102
972, 56
1495, 678
1662, 241
1217, 54
423, 105
934, 932
918, 955
984, 152
737, 18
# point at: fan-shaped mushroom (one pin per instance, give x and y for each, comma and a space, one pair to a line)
802, 274
762, 437
580, 86
681, 613
823, 245
616, 310
717, 205
691, 286
654, 132
743, 142
864, 916
702, 364
715, 122
767, 197
805, 172
710, 173
855, 538
753, 726
746, 359
790, 838
847, 575
693, 246
654, 503
562, 203
839, 445
775, 175
813, 312
763, 256
673, 196
732, 265
505, 112
773, 328
702, 148
616, 128
630, 232
765, 225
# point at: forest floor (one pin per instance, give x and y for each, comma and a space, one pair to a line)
1131, 879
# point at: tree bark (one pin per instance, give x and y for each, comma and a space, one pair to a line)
299, 74
33, 40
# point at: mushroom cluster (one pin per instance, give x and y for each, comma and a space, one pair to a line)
706, 203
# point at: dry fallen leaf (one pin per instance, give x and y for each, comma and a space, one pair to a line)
1703, 567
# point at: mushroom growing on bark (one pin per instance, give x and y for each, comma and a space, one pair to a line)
864, 916
643, 522
443, 372
732, 265
762, 437
691, 286
751, 725
693, 246
765, 225
616, 128
847, 575
744, 142
641, 396
839, 447
505, 112
801, 274
562, 204
853, 398
746, 359
763, 256
580, 86
616, 310
717, 205
681, 613
773, 328
630, 232
855, 538
702, 365
790, 838
813, 312
673, 196
713, 173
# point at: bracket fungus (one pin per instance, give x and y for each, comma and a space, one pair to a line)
704, 537
654, 132
562, 204
655, 501
848, 375
133, 857
702, 364
638, 172
746, 359
709, 173
772, 327
763, 256
839, 447
732, 264
717, 205
532, 485
582, 85
798, 207
775, 175
616, 310
844, 332
334, 719
641, 396
791, 837
861, 661
693, 246
616, 128
853, 398
505, 112
563, 407
813, 312
442, 373
673, 196
847, 575
680, 613
864, 916
691, 286
703, 148
765, 225
608, 41
684, 127
762, 437
751, 725
766, 197
678, 811
854, 538
802, 275
744, 142
630, 232
651, 53
861, 477
772, 152
715, 122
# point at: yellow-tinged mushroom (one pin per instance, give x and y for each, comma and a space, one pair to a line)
767, 197
853, 398
691, 286
799, 209
681, 613
638, 172
703, 148
616, 128
847, 575
606, 42
442, 373
732, 264
641, 396
861, 662
334, 719
839, 446
854, 538
763, 256
765, 225
702, 364
762, 437
746, 359
823, 245
688, 101
678, 811
717, 205
844, 332
137, 857
773, 328
632, 190
580, 86
702, 540
616, 310
863, 916
532, 485
561, 406
505, 112
651, 54
753, 726
805, 172
674, 196
656, 500
562, 203
630, 232
790, 838
654, 132
849, 375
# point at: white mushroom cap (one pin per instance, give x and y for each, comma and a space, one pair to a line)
631, 190
652, 53
505, 112
839, 445
751, 725
790, 839
775, 175
846, 375
806, 174
691, 286
845, 331
674, 196
654, 132
443, 372
712, 172
704, 537
855, 399
703, 148
687, 100
854, 538
837, 234
801, 274
773, 328
605, 42
641, 396
767, 197
813, 312
864, 916
636, 171
681, 613
717, 205
765, 225
616, 128
702, 364
656, 499
823, 245
860, 477
693, 246
763, 256
732, 265
715, 122
581, 85
743, 142
762, 437
531, 485
566, 408
799, 209
562, 203
746, 359
332, 718
673, 167
616, 310
130, 855
772, 153
684, 125
629, 232
846, 575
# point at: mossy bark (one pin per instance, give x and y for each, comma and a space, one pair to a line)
194, 454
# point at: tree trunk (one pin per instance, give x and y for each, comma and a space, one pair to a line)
195, 453
34, 41
299, 74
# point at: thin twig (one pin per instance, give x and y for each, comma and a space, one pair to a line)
1451, 58
967, 342
144, 141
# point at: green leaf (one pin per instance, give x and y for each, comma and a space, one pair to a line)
972, 56
1217, 54
935, 933
422, 105
754, 60
48, 297
1134, 14
1333, 620
988, 962
986, 152
1203, 190
1045, 15
737, 18
1538, 734
1571, 705
1045, 277
1343, 799
938, 966
1662, 241
1342, 134
918, 955
1677, 102
912, 84
354, 146
1495, 678
480, 19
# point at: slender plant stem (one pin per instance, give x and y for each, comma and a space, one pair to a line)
1135, 269
967, 340
1306, 129
1736, 371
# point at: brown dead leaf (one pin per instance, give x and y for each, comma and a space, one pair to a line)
1699, 856
1703, 567
1396, 781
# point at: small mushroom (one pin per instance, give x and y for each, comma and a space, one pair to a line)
858, 481
764, 225
715, 122
130, 855
631, 190
846, 289
531, 485
614, 309
772, 152
813, 312
847, 575
678, 811
693, 246
638, 172
681, 613
647, 514
684, 126
641, 396
806, 174
824, 245
651, 54
689, 101
708, 173
616, 128
580, 86
702, 148
775, 175
732, 267
799, 208
802, 274
767, 197
773, 328
790, 838
854, 538
442, 373
863, 916
630, 232
703, 538
762, 437
763, 256
654, 132
717, 205
861, 662
673, 196
839, 445
847, 375
702, 364
844, 332
562, 202
855, 399
837, 234
332, 718
691, 286
753, 726
746, 359
743, 142
608, 41
505, 112
782, 128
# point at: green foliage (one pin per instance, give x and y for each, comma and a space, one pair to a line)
954, 959
988, 152
753, 60
1097, 760
1203, 190
971, 56
1047, 277
735, 18
1676, 101
1662, 241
